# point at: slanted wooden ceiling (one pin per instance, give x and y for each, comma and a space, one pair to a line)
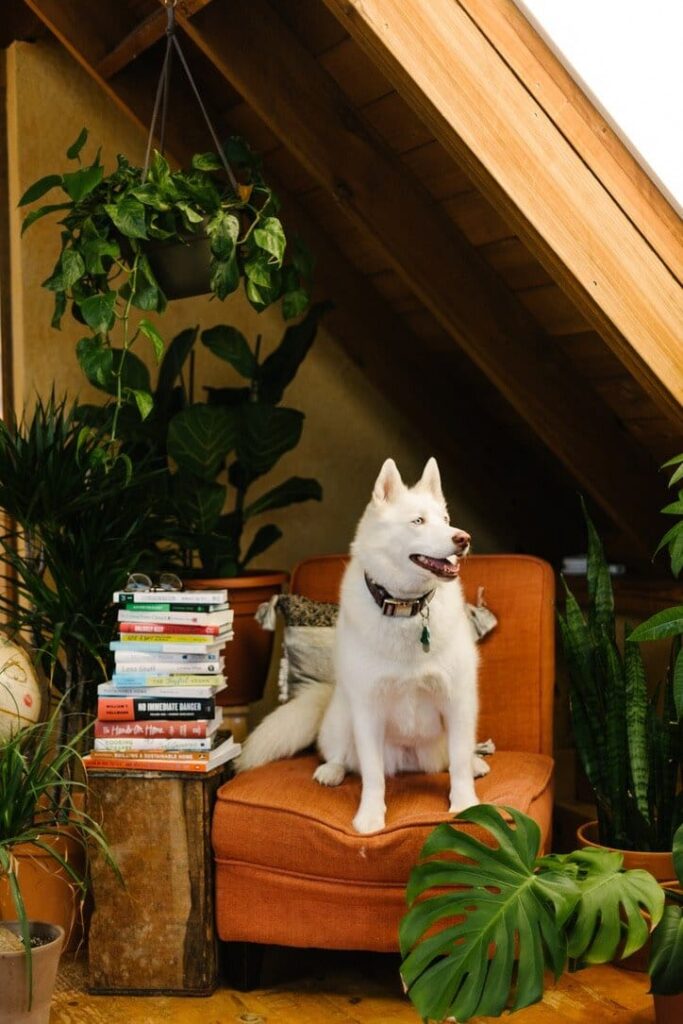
500, 264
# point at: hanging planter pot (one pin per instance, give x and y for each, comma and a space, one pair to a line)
183, 268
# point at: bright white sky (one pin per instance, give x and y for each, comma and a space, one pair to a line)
627, 54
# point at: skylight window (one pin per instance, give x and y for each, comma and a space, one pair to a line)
626, 56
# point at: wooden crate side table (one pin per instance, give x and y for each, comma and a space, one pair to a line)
154, 934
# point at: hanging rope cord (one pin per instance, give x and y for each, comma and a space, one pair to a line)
161, 98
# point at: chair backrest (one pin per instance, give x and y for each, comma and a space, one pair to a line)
517, 673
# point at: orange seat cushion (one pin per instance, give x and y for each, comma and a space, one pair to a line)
291, 870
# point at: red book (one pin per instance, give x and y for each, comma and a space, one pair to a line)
151, 730
172, 628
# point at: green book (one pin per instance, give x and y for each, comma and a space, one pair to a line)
163, 606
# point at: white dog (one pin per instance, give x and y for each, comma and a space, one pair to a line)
405, 693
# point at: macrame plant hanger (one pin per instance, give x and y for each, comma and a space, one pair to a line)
162, 93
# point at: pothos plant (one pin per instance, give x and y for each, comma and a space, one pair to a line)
110, 222
214, 451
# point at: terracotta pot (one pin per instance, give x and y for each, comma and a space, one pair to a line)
247, 656
660, 866
48, 892
14, 990
669, 1009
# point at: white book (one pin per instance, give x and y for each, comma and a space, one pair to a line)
155, 657
159, 647
178, 618
155, 693
154, 667
170, 596
159, 743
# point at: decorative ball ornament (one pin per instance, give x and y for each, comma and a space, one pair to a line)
20, 692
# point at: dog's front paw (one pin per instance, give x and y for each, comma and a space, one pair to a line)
329, 774
480, 767
462, 798
369, 820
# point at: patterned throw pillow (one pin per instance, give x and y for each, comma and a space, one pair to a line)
308, 642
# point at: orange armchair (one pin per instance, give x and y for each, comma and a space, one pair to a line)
290, 870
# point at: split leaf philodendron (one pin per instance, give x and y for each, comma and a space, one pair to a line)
488, 919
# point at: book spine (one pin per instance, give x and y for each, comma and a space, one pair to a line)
156, 646
157, 657
152, 730
143, 755
131, 709
209, 668
172, 628
135, 680
168, 638
156, 747
109, 763
223, 618
171, 597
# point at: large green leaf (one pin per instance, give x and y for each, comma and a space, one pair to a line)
38, 189
610, 909
230, 344
98, 311
96, 361
666, 957
660, 626
265, 434
497, 910
41, 212
80, 183
76, 146
264, 538
172, 364
199, 504
292, 491
72, 266
270, 237
225, 276
128, 215
280, 368
223, 230
200, 437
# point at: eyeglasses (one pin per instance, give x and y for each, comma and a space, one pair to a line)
140, 581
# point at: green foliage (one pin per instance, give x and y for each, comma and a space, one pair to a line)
41, 787
111, 223
488, 919
630, 744
218, 450
82, 518
666, 956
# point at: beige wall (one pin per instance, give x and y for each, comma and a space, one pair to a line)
350, 427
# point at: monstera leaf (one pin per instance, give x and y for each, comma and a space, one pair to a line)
485, 945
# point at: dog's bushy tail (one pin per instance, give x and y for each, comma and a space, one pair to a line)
288, 729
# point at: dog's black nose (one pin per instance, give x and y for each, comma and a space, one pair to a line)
461, 539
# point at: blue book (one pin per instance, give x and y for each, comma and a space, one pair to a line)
159, 647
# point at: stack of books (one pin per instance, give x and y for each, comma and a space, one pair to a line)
159, 712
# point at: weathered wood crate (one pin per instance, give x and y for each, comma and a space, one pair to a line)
155, 932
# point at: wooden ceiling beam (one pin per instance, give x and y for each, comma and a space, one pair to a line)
144, 35
439, 57
301, 104
378, 341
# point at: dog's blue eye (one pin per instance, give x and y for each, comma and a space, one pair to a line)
418, 522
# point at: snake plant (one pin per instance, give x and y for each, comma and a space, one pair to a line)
482, 929
629, 739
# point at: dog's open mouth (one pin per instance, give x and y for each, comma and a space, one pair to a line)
440, 567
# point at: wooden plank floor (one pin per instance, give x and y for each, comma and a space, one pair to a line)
314, 987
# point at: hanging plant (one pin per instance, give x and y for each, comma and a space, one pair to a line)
113, 227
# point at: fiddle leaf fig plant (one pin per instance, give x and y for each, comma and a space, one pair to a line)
486, 920
112, 225
221, 448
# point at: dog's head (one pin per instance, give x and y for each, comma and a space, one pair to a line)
405, 539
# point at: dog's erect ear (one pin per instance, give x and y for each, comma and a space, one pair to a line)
430, 480
388, 484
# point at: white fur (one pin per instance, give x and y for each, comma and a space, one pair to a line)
395, 707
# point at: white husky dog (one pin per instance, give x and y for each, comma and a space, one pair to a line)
405, 692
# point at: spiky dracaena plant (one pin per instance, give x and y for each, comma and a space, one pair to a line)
79, 518
629, 740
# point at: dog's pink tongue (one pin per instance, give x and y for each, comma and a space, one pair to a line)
441, 566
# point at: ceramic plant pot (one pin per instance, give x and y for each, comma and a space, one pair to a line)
14, 987
247, 656
660, 866
47, 891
